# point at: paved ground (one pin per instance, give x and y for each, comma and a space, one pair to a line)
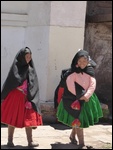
56, 136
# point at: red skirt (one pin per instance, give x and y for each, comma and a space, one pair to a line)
14, 112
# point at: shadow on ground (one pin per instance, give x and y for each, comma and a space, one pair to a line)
60, 126
105, 121
63, 146
3, 125
16, 147
67, 146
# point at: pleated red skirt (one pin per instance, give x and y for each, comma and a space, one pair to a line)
14, 112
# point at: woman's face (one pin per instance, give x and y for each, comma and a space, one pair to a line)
82, 62
28, 57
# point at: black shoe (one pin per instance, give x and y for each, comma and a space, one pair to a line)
10, 144
73, 140
82, 146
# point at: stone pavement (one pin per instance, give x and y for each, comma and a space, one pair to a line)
56, 136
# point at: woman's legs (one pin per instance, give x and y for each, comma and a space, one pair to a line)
10, 136
29, 137
80, 136
72, 136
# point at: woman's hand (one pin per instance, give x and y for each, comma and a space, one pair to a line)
84, 98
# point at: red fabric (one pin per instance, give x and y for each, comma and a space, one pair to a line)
60, 93
75, 105
76, 123
14, 112
32, 118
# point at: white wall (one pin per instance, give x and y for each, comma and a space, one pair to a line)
38, 39
66, 37
68, 14
12, 39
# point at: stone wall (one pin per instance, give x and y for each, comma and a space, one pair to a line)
98, 41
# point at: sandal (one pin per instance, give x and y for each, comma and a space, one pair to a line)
73, 140
32, 144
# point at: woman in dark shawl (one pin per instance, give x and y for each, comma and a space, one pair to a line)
77, 104
20, 105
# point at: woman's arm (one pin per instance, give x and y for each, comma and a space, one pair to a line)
90, 90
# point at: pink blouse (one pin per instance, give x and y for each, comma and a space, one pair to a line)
85, 80
23, 87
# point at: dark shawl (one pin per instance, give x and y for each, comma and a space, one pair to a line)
19, 72
68, 98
